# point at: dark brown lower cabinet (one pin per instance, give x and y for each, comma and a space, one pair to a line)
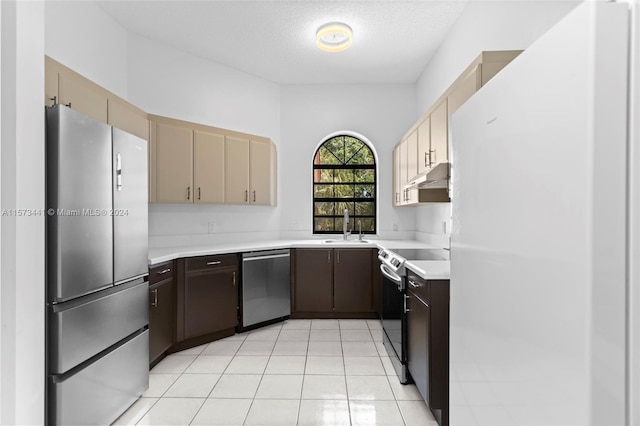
418, 342
428, 342
210, 296
333, 283
313, 277
162, 317
352, 280
210, 302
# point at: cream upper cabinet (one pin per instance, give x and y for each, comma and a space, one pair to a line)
193, 163
439, 135
65, 86
260, 173
403, 170
465, 89
208, 167
51, 71
424, 145
173, 152
236, 182
412, 155
397, 188
127, 117
82, 95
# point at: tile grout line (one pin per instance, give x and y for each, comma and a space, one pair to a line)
214, 385
162, 396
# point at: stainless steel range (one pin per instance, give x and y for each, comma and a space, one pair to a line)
394, 306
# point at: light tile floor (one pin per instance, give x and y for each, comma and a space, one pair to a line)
299, 372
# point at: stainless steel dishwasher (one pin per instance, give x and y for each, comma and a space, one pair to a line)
266, 287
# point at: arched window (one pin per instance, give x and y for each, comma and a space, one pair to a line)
344, 177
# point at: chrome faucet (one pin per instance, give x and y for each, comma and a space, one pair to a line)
345, 224
359, 230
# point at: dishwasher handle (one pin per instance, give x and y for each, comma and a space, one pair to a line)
269, 256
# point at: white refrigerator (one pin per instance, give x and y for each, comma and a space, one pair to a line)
543, 304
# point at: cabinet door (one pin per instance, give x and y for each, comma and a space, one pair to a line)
313, 280
403, 170
173, 163
352, 280
126, 117
208, 167
418, 343
439, 134
210, 302
464, 90
161, 318
412, 155
236, 170
397, 189
424, 145
50, 81
260, 173
83, 96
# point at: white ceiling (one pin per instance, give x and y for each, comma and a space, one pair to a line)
393, 40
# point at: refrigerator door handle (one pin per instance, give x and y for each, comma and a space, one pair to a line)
118, 172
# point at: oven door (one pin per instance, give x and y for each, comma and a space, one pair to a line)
394, 319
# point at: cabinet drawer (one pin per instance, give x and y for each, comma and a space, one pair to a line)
204, 263
419, 286
160, 272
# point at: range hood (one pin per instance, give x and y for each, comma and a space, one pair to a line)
435, 178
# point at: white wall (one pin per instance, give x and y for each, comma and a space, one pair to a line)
634, 220
538, 256
310, 113
169, 82
80, 35
483, 25
22, 248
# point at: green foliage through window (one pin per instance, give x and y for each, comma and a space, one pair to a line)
344, 178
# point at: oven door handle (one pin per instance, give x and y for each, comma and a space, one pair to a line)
391, 275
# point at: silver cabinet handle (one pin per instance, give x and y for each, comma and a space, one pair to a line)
215, 262
254, 196
188, 192
199, 193
55, 100
118, 172
164, 271
425, 158
234, 278
329, 256
246, 196
431, 155
413, 284
68, 105
155, 298
338, 256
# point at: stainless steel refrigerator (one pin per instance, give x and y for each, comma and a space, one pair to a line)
97, 290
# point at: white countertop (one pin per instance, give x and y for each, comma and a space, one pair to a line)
430, 269
164, 254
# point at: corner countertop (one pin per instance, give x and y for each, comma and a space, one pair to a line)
165, 254
430, 269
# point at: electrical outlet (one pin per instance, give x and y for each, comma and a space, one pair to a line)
213, 227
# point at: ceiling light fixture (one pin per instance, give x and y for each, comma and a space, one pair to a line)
334, 37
